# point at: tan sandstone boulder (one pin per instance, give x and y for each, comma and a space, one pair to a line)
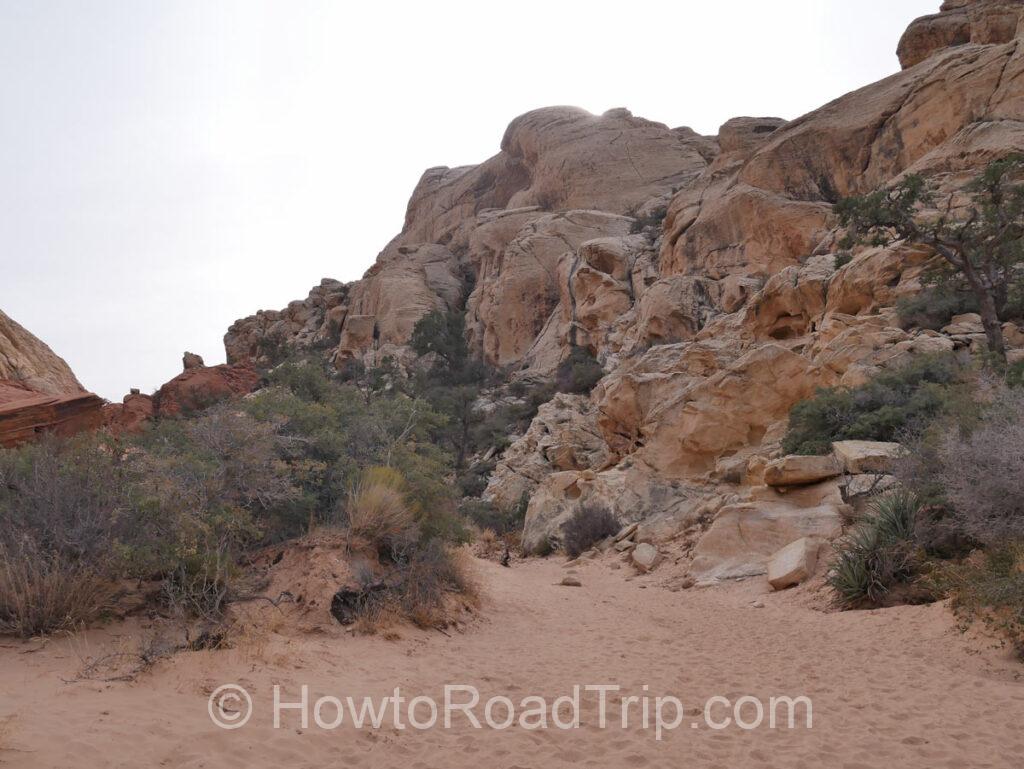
745, 535
867, 456
800, 470
794, 563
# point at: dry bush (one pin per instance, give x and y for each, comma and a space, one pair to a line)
68, 496
379, 512
589, 524
982, 473
433, 573
45, 593
378, 617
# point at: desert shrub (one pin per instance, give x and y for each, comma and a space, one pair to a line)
45, 592
472, 481
579, 372
378, 511
488, 516
419, 590
70, 497
989, 588
200, 584
654, 218
1015, 374
843, 258
982, 472
589, 524
883, 409
433, 572
878, 554
327, 442
934, 307
306, 377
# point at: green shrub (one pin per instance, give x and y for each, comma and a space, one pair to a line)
590, 523
487, 515
579, 372
877, 555
1015, 374
894, 402
934, 307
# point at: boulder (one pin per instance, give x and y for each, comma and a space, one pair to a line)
799, 470
867, 456
745, 535
191, 360
38, 391
645, 557
963, 325
1013, 335
794, 563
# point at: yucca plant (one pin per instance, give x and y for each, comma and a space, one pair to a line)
878, 554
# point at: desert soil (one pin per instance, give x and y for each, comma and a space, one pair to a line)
897, 687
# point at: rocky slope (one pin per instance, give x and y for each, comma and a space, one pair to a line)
701, 271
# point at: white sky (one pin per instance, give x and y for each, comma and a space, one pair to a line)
168, 166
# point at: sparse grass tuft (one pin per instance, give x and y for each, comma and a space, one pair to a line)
42, 594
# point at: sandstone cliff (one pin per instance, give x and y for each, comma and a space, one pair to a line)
701, 271
25, 359
38, 391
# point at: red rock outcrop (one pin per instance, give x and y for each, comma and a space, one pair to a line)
129, 416
26, 414
200, 387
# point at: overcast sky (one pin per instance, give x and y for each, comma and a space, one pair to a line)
168, 166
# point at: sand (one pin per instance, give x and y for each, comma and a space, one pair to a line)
898, 687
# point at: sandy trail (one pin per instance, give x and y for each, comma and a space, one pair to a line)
898, 687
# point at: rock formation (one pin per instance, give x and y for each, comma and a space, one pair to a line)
38, 391
25, 359
703, 272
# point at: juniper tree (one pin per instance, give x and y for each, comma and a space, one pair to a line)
981, 243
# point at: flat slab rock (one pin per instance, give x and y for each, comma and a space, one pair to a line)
800, 470
858, 457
